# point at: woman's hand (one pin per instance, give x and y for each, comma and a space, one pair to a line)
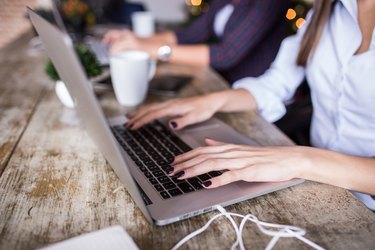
122, 40
113, 36
239, 162
184, 111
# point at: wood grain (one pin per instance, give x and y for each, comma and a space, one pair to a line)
22, 85
56, 184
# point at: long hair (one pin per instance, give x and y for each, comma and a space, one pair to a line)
310, 40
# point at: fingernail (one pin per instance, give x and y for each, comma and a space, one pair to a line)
174, 124
207, 183
179, 174
170, 161
170, 170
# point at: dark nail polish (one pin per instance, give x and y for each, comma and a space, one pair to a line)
180, 174
170, 170
207, 183
170, 161
174, 124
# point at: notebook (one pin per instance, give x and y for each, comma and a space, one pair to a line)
114, 238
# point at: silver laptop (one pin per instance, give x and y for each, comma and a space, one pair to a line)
100, 49
140, 158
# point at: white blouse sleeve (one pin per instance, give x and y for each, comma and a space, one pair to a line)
278, 84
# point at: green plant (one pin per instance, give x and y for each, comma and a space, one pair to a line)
88, 61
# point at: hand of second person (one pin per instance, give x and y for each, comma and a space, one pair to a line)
121, 40
113, 36
185, 112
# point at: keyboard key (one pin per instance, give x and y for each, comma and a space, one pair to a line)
204, 177
138, 163
167, 168
153, 181
169, 185
163, 179
196, 183
148, 174
214, 173
182, 145
161, 162
158, 187
153, 167
175, 180
158, 173
185, 187
164, 194
143, 169
174, 192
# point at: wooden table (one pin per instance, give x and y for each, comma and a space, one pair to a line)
55, 184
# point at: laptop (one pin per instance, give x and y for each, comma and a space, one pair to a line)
140, 158
100, 49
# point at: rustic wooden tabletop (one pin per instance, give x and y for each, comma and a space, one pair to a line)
55, 184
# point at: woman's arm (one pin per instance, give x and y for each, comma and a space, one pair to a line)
342, 170
248, 26
184, 54
192, 110
260, 164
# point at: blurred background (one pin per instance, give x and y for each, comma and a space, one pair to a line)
85, 13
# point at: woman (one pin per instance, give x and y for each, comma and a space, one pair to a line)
238, 38
335, 51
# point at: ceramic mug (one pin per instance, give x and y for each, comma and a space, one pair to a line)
143, 23
131, 72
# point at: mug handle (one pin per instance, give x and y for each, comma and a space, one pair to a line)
152, 69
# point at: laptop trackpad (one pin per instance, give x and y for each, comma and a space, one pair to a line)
213, 129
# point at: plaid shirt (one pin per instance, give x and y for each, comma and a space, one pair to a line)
251, 38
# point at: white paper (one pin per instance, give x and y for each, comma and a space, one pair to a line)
114, 238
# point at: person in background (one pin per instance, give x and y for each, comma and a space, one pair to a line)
245, 35
120, 11
335, 51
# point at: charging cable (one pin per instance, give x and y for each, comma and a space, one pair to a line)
277, 231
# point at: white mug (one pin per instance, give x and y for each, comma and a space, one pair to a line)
131, 72
143, 23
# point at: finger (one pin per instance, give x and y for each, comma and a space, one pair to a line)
211, 142
146, 111
226, 178
111, 36
238, 159
117, 47
188, 119
201, 151
142, 110
156, 114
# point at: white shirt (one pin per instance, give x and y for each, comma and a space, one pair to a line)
221, 19
342, 86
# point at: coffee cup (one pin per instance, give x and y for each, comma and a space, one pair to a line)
131, 72
143, 23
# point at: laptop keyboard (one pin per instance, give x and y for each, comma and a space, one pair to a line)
99, 49
152, 148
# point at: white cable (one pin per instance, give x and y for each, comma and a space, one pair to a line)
284, 231
234, 224
195, 233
